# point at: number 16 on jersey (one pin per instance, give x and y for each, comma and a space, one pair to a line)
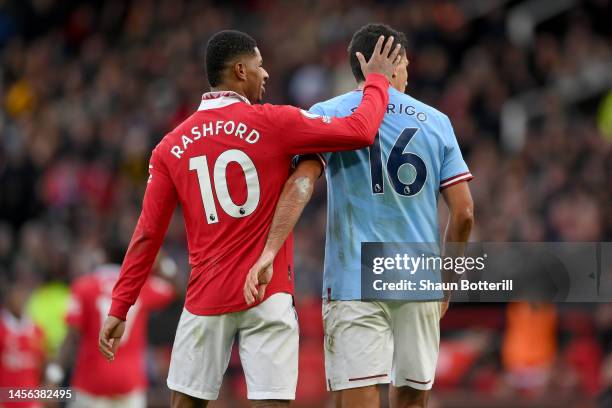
397, 158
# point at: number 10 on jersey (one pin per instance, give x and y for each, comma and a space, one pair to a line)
200, 165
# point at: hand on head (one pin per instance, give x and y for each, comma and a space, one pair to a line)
384, 60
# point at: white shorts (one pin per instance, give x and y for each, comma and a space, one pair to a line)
268, 339
82, 399
369, 343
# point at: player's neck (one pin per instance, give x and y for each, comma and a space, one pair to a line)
229, 87
360, 86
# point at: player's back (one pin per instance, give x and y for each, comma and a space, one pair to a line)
389, 191
228, 171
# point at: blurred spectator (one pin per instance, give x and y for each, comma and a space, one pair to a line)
22, 348
121, 382
530, 346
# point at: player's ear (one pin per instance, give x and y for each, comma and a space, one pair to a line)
240, 70
403, 65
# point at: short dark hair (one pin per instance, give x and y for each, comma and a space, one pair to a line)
364, 40
222, 48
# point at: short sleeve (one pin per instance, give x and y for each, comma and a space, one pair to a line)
316, 156
454, 169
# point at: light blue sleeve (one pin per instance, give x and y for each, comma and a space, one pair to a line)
453, 169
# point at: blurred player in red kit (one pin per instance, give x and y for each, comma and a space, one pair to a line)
22, 344
226, 165
95, 382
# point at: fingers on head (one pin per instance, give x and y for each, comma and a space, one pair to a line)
388, 46
360, 58
397, 60
395, 55
379, 44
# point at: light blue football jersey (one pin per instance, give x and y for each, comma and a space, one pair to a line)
389, 191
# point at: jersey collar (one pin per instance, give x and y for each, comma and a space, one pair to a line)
220, 99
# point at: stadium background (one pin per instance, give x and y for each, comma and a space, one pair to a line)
88, 88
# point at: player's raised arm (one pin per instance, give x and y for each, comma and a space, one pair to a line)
303, 132
158, 205
294, 197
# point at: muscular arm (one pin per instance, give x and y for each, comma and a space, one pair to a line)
294, 197
461, 207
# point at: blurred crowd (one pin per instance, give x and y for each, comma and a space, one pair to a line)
88, 88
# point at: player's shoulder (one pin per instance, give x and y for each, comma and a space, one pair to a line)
276, 114
265, 109
84, 283
39, 333
269, 108
262, 115
86, 288
174, 135
101, 276
331, 105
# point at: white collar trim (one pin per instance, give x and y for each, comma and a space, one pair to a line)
220, 99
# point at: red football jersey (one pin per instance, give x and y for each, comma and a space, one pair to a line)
22, 355
90, 299
226, 165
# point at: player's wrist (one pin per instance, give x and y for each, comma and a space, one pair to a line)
119, 309
268, 254
376, 76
